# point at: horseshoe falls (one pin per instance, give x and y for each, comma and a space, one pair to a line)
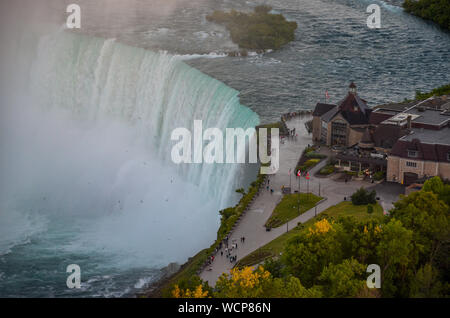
86, 173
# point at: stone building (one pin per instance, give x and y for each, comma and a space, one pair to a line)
422, 154
342, 124
410, 140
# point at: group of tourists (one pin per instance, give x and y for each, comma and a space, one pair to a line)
225, 248
287, 116
292, 133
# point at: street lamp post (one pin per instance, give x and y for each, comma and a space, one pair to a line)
298, 205
290, 178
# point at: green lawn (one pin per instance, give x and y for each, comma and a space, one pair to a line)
346, 208
287, 209
275, 247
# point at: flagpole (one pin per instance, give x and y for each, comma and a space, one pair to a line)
290, 177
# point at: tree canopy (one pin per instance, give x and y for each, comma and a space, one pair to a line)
329, 257
437, 11
257, 30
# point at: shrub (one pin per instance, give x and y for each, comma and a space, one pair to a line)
370, 208
378, 175
327, 170
311, 162
363, 197
314, 155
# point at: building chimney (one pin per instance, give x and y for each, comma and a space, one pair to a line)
408, 120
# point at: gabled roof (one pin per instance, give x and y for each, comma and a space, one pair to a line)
351, 101
322, 109
330, 114
356, 118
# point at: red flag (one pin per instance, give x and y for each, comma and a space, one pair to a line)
307, 176
326, 95
299, 173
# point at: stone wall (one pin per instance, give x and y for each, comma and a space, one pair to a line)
316, 131
396, 167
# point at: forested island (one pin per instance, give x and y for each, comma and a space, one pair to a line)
259, 30
437, 11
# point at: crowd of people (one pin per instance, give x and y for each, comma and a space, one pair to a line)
287, 116
227, 249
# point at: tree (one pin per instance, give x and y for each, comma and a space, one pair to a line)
438, 187
275, 267
259, 283
198, 292
193, 287
343, 280
428, 217
393, 254
292, 288
434, 10
314, 248
258, 30
244, 283
434, 185
363, 197
426, 283
364, 238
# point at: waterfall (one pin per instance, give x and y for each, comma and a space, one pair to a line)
85, 158
152, 92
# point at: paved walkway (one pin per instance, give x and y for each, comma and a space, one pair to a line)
251, 226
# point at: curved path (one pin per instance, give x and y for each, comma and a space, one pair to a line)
251, 225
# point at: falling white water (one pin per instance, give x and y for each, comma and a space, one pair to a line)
85, 160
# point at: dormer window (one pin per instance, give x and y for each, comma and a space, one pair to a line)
413, 153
